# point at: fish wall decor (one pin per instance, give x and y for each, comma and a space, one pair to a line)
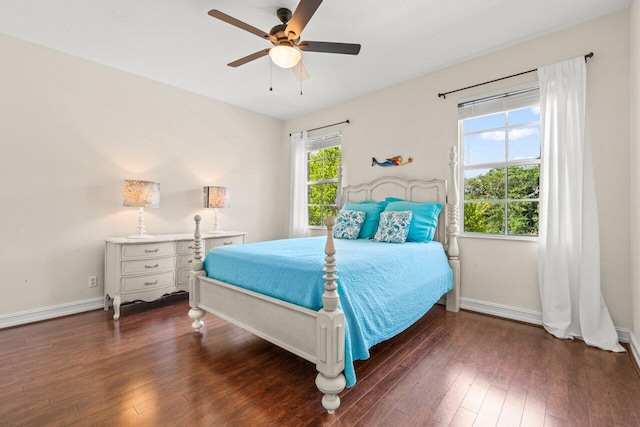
393, 161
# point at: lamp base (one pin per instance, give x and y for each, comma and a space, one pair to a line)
140, 236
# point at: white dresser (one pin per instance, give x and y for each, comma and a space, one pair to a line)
146, 269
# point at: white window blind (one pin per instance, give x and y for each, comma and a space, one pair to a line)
324, 142
503, 102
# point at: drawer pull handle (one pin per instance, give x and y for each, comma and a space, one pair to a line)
152, 266
151, 251
155, 282
190, 261
227, 243
191, 247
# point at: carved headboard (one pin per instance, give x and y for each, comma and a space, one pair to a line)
414, 190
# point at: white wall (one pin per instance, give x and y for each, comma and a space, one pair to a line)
410, 120
71, 131
635, 161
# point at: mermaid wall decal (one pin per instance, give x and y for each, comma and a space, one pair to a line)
393, 161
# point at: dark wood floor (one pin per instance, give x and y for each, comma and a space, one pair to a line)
448, 369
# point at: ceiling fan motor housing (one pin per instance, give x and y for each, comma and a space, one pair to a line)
278, 31
284, 15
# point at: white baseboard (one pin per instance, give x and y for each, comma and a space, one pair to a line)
635, 349
513, 313
530, 316
38, 314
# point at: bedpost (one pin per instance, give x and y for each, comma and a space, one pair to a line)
453, 252
196, 313
330, 331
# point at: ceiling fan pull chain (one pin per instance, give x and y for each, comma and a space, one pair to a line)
270, 76
300, 79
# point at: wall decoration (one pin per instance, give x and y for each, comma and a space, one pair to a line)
393, 161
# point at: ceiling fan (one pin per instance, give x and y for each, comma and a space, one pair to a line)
285, 38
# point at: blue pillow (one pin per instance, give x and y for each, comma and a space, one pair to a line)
372, 209
424, 221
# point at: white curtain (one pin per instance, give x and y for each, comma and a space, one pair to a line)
569, 245
298, 214
339, 192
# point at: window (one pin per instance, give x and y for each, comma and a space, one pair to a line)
500, 141
324, 155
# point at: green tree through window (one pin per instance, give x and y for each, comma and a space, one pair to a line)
322, 182
484, 210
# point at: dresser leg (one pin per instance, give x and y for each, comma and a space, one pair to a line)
107, 302
116, 307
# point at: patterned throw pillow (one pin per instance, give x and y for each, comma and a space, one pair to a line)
348, 224
393, 227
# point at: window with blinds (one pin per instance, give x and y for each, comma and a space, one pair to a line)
499, 139
324, 155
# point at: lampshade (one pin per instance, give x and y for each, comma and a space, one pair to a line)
216, 197
285, 56
141, 194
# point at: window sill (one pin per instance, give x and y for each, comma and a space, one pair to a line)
533, 239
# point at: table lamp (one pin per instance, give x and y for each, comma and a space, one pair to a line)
141, 194
216, 198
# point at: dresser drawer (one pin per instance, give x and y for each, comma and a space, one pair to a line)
224, 241
149, 282
148, 265
186, 247
185, 261
148, 250
183, 276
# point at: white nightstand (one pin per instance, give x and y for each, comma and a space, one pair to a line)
146, 269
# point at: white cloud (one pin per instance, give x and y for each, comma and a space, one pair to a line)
535, 109
498, 135
522, 133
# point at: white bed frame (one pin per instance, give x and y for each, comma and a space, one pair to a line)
318, 336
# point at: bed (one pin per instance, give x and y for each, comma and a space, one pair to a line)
313, 324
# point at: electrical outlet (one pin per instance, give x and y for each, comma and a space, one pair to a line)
93, 281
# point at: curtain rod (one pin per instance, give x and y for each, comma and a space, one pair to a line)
444, 95
322, 127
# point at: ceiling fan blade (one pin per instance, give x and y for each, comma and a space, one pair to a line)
249, 58
329, 47
300, 71
300, 18
242, 25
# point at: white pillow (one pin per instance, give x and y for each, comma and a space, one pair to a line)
348, 224
393, 226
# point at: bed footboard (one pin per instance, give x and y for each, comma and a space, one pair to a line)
318, 336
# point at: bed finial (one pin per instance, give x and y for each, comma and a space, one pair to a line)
330, 332
453, 251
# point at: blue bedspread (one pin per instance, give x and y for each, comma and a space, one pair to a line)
384, 287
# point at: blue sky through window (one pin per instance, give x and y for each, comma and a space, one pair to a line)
485, 142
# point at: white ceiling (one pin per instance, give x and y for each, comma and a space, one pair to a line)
177, 43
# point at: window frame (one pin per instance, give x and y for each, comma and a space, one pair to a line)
506, 164
320, 143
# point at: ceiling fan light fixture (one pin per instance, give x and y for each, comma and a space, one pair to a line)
285, 56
